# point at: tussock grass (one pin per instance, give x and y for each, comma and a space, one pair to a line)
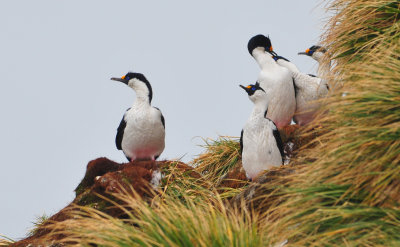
171, 223
349, 195
221, 156
180, 182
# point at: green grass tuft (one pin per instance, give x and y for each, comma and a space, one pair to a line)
221, 156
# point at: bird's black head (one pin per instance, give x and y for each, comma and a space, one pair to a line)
259, 41
129, 76
140, 77
310, 51
252, 88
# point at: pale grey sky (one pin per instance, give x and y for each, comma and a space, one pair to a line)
60, 109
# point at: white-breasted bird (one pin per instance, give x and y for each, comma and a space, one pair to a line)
276, 80
260, 142
317, 52
141, 133
308, 88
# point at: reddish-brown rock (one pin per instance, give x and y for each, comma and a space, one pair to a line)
104, 177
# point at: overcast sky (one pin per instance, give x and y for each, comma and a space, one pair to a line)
59, 108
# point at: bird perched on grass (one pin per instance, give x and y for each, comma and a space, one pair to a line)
141, 133
308, 90
275, 80
260, 142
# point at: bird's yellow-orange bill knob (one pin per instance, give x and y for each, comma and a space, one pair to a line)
123, 77
270, 48
308, 50
248, 86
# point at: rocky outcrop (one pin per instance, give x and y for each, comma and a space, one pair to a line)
103, 178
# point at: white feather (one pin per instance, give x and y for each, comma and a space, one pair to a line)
278, 83
309, 90
260, 150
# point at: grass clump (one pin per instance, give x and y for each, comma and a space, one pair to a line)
171, 222
221, 156
40, 221
178, 183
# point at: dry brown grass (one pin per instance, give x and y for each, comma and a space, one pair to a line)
169, 222
5, 241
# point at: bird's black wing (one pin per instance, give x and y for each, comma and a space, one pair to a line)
162, 117
120, 132
241, 142
295, 88
278, 140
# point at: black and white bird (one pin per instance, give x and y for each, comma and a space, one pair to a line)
308, 88
260, 142
141, 133
317, 53
275, 79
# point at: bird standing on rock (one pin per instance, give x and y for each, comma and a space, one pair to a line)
308, 90
276, 80
260, 142
141, 133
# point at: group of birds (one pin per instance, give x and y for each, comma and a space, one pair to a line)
281, 93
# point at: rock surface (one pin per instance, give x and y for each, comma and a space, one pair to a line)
102, 178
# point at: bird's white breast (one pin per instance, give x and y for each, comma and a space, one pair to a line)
260, 150
144, 134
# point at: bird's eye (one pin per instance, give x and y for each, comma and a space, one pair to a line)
253, 88
311, 52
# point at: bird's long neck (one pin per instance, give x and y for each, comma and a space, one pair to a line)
263, 59
142, 100
323, 69
260, 107
290, 66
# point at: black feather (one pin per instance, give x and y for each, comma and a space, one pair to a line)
278, 140
120, 132
162, 117
241, 142
280, 57
162, 120
258, 41
295, 88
